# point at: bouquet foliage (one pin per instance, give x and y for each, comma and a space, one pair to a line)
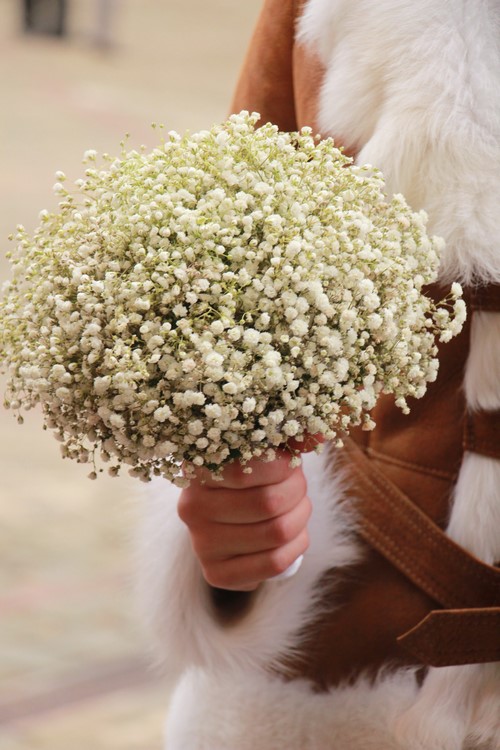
213, 297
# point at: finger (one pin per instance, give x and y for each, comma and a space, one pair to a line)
201, 504
223, 541
262, 473
247, 571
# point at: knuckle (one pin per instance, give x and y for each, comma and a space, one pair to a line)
301, 483
234, 477
195, 504
279, 561
280, 530
218, 577
185, 507
274, 499
201, 544
304, 542
282, 469
270, 501
308, 508
212, 576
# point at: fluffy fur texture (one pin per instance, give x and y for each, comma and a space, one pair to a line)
415, 86
252, 710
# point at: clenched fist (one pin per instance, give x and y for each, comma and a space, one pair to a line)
248, 527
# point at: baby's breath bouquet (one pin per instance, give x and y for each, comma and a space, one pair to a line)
210, 299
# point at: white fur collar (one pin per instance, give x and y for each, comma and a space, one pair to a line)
415, 86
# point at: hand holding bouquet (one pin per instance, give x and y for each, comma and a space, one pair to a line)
210, 299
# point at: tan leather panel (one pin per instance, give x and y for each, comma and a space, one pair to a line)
371, 605
394, 525
463, 636
486, 298
482, 433
266, 80
308, 76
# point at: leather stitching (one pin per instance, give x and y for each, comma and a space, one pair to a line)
420, 468
486, 298
482, 433
480, 572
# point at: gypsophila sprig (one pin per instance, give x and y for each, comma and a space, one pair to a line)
216, 296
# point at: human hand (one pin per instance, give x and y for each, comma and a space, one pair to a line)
248, 527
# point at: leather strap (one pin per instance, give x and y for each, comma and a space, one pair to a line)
391, 523
461, 636
482, 433
482, 428
485, 298
409, 539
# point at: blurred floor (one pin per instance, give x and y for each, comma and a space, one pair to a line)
73, 668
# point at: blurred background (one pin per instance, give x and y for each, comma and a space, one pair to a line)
79, 74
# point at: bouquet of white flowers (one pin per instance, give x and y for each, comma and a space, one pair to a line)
210, 299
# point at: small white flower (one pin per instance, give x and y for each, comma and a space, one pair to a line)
217, 327
222, 138
299, 327
116, 420
291, 427
257, 436
188, 365
272, 358
64, 394
162, 413
341, 369
248, 405
179, 310
165, 448
213, 411
214, 359
102, 384
251, 337
196, 427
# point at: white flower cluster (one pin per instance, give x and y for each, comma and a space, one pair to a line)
216, 296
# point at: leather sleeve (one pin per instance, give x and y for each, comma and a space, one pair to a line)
265, 84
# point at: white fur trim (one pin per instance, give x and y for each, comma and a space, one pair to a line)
482, 377
457, 708
174, 596
255, 711
416, 87
475, 517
